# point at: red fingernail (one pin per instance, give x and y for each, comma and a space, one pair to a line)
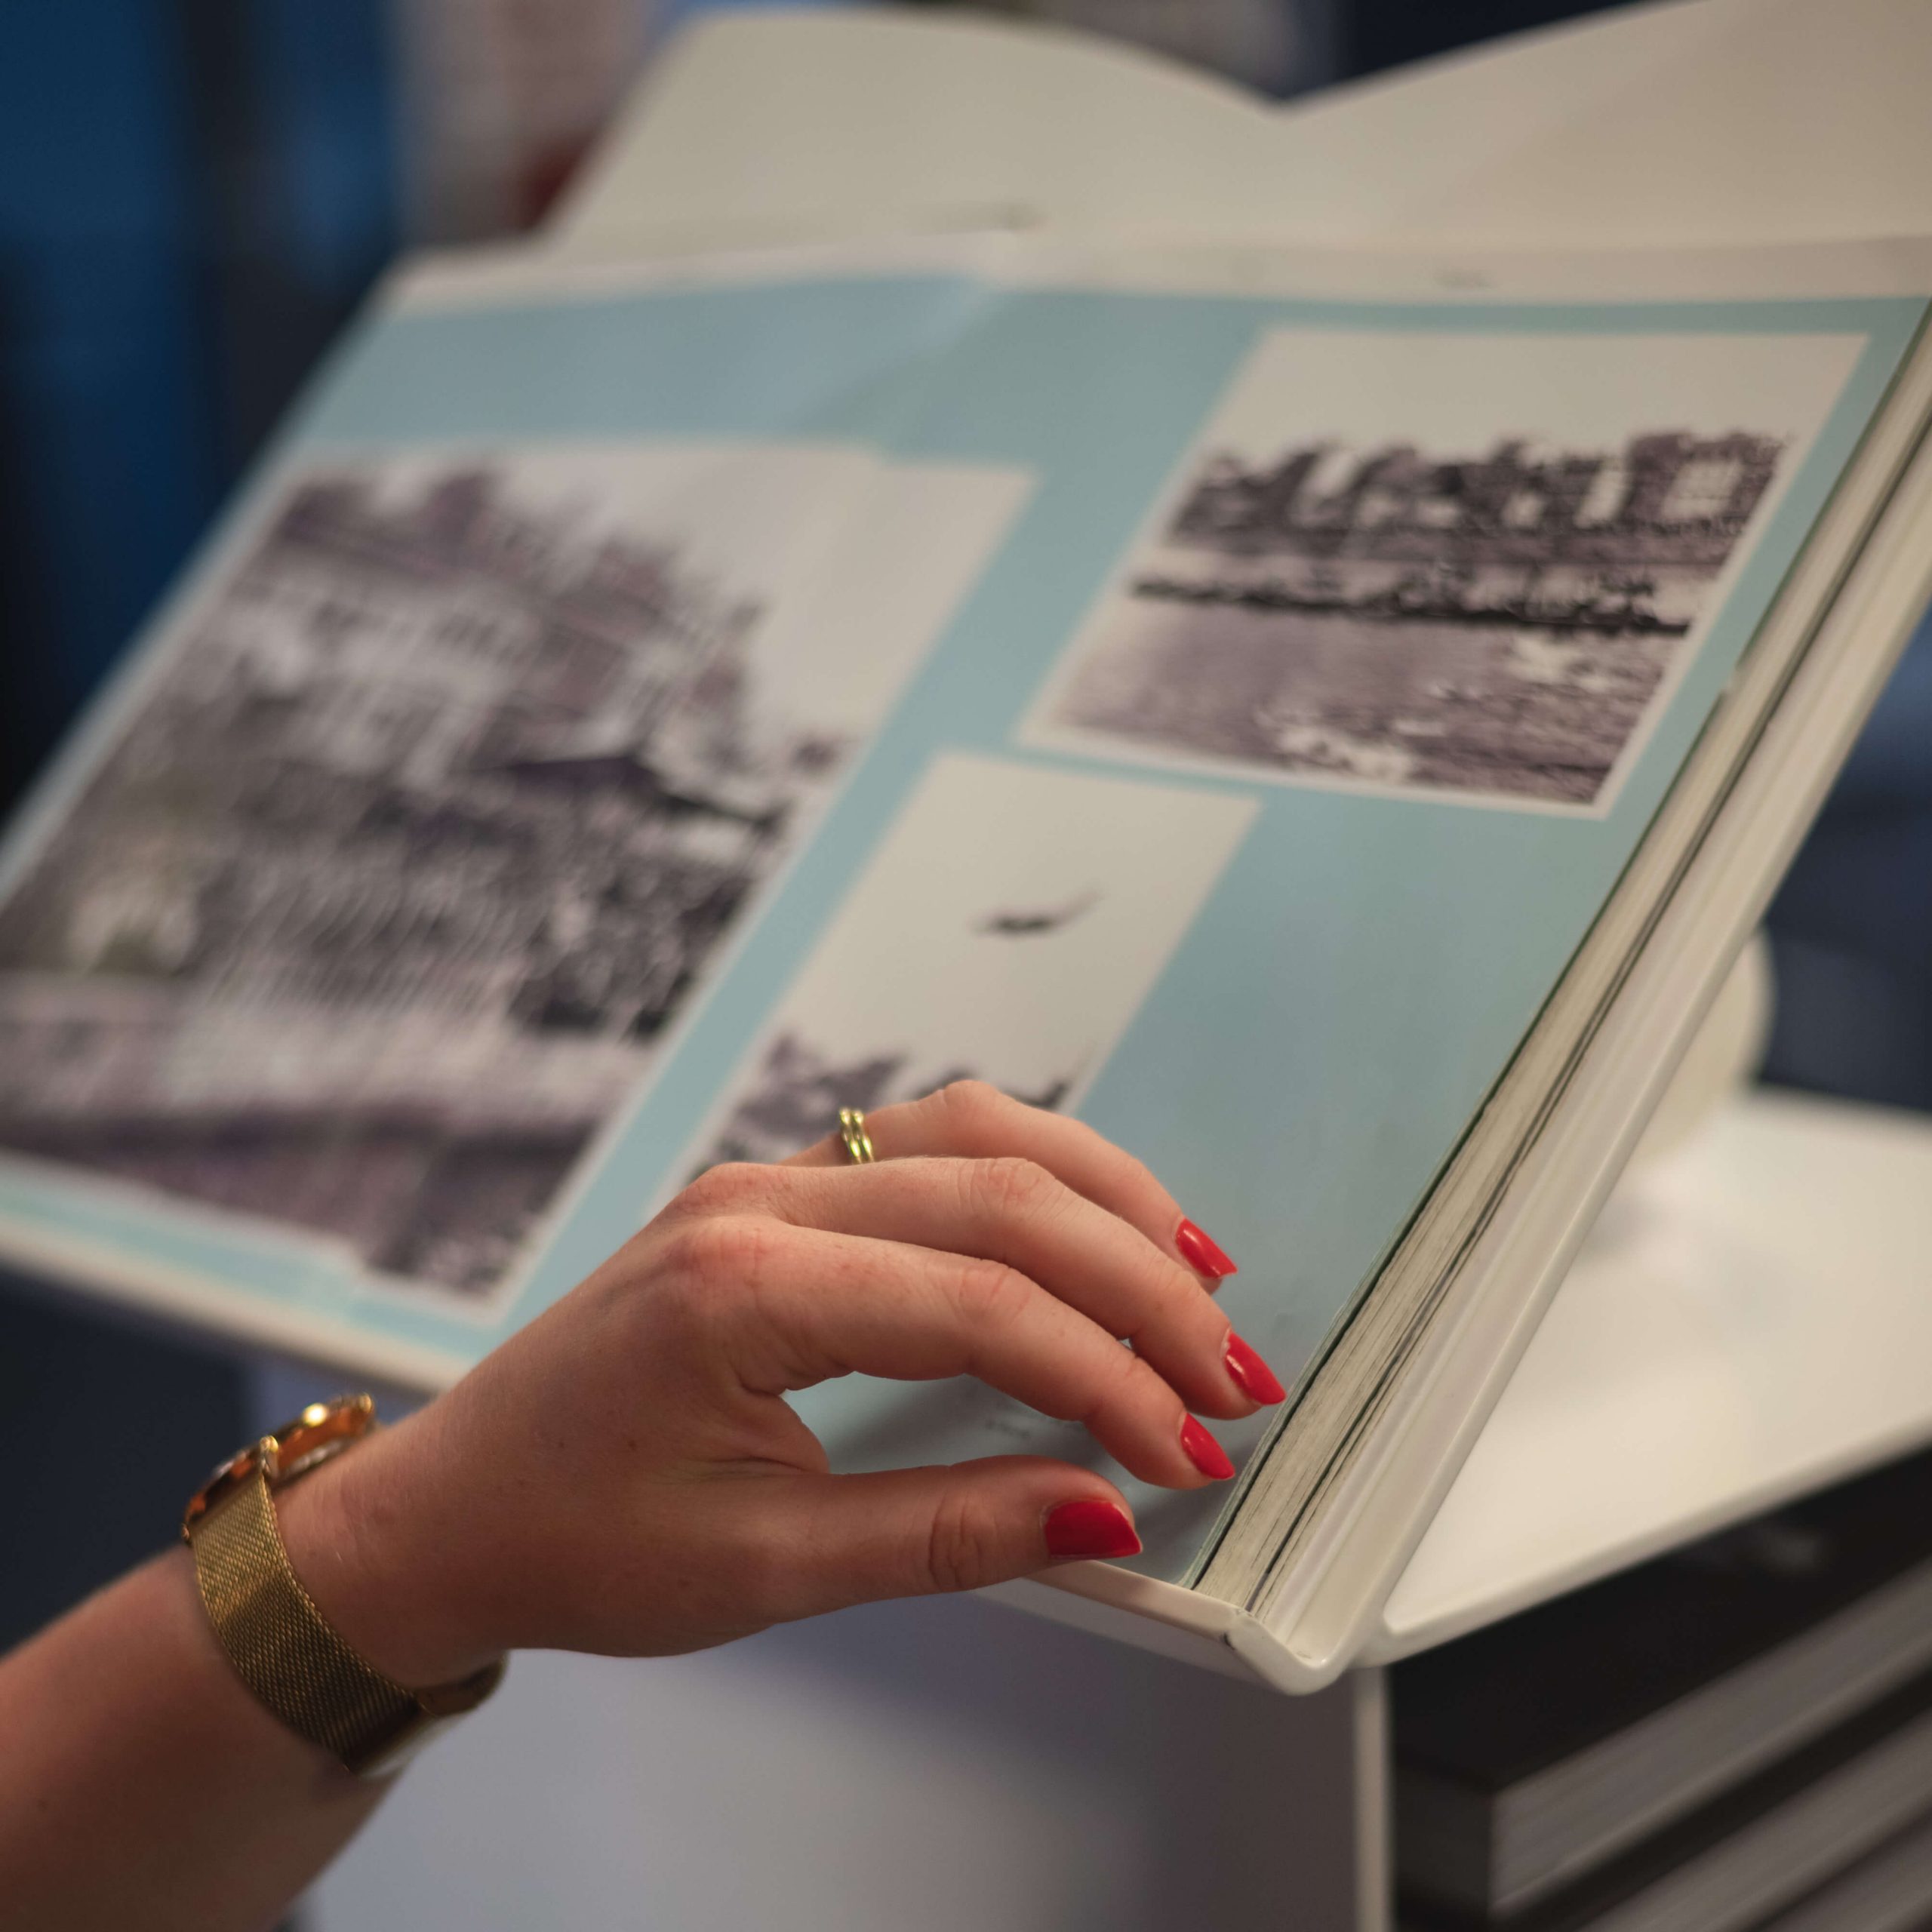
1204, 1452
1201, 1254
1091, 1527
1252, 1376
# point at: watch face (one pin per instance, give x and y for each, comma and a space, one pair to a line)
319, 1432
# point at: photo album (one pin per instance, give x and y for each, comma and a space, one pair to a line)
1329, 721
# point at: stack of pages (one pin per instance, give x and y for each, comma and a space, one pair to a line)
1750, 1746
1329, 721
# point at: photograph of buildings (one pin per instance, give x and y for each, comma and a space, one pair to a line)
973, 947
426, 823
1487, 598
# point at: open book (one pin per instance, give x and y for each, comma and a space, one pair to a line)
1329, 721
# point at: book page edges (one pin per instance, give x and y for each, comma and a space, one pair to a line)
1523, 1257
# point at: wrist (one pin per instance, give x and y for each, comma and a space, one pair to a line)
368, 1534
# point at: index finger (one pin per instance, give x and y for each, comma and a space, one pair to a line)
973, 1121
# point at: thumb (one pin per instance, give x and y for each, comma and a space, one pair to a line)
901, 1532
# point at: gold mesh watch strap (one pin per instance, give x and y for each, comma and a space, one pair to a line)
289, 1654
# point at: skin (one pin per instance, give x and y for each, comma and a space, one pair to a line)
625, 1476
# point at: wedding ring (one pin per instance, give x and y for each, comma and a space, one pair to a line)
852, 1131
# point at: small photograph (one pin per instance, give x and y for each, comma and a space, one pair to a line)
1455, 565
1007, 929
430, 818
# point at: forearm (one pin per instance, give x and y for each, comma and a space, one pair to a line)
142, 1784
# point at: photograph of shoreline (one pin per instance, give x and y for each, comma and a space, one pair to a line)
1493, 614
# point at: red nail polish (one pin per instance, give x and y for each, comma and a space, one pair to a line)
1204, 1452
1252, 1376
1091, 1527
1202, 1255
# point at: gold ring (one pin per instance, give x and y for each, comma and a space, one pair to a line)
852, 1131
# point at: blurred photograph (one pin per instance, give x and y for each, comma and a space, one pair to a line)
421, 831
1408, 564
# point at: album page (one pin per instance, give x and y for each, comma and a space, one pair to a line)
637, 713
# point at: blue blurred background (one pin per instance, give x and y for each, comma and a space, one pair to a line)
195, 194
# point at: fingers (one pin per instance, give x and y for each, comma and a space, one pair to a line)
973, 1121
1012, 1211
831, 1541
820, 1305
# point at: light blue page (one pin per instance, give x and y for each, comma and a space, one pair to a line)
1359, 949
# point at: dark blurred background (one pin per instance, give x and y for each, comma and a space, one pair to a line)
195, 194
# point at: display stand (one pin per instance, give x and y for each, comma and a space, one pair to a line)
1749, 1320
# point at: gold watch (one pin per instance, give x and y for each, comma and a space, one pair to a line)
283, 1647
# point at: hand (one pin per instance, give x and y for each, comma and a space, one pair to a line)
625, 1476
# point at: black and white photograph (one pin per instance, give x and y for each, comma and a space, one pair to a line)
1467, 566
426, 822
972, 947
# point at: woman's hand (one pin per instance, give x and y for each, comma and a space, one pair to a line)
625, 1474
